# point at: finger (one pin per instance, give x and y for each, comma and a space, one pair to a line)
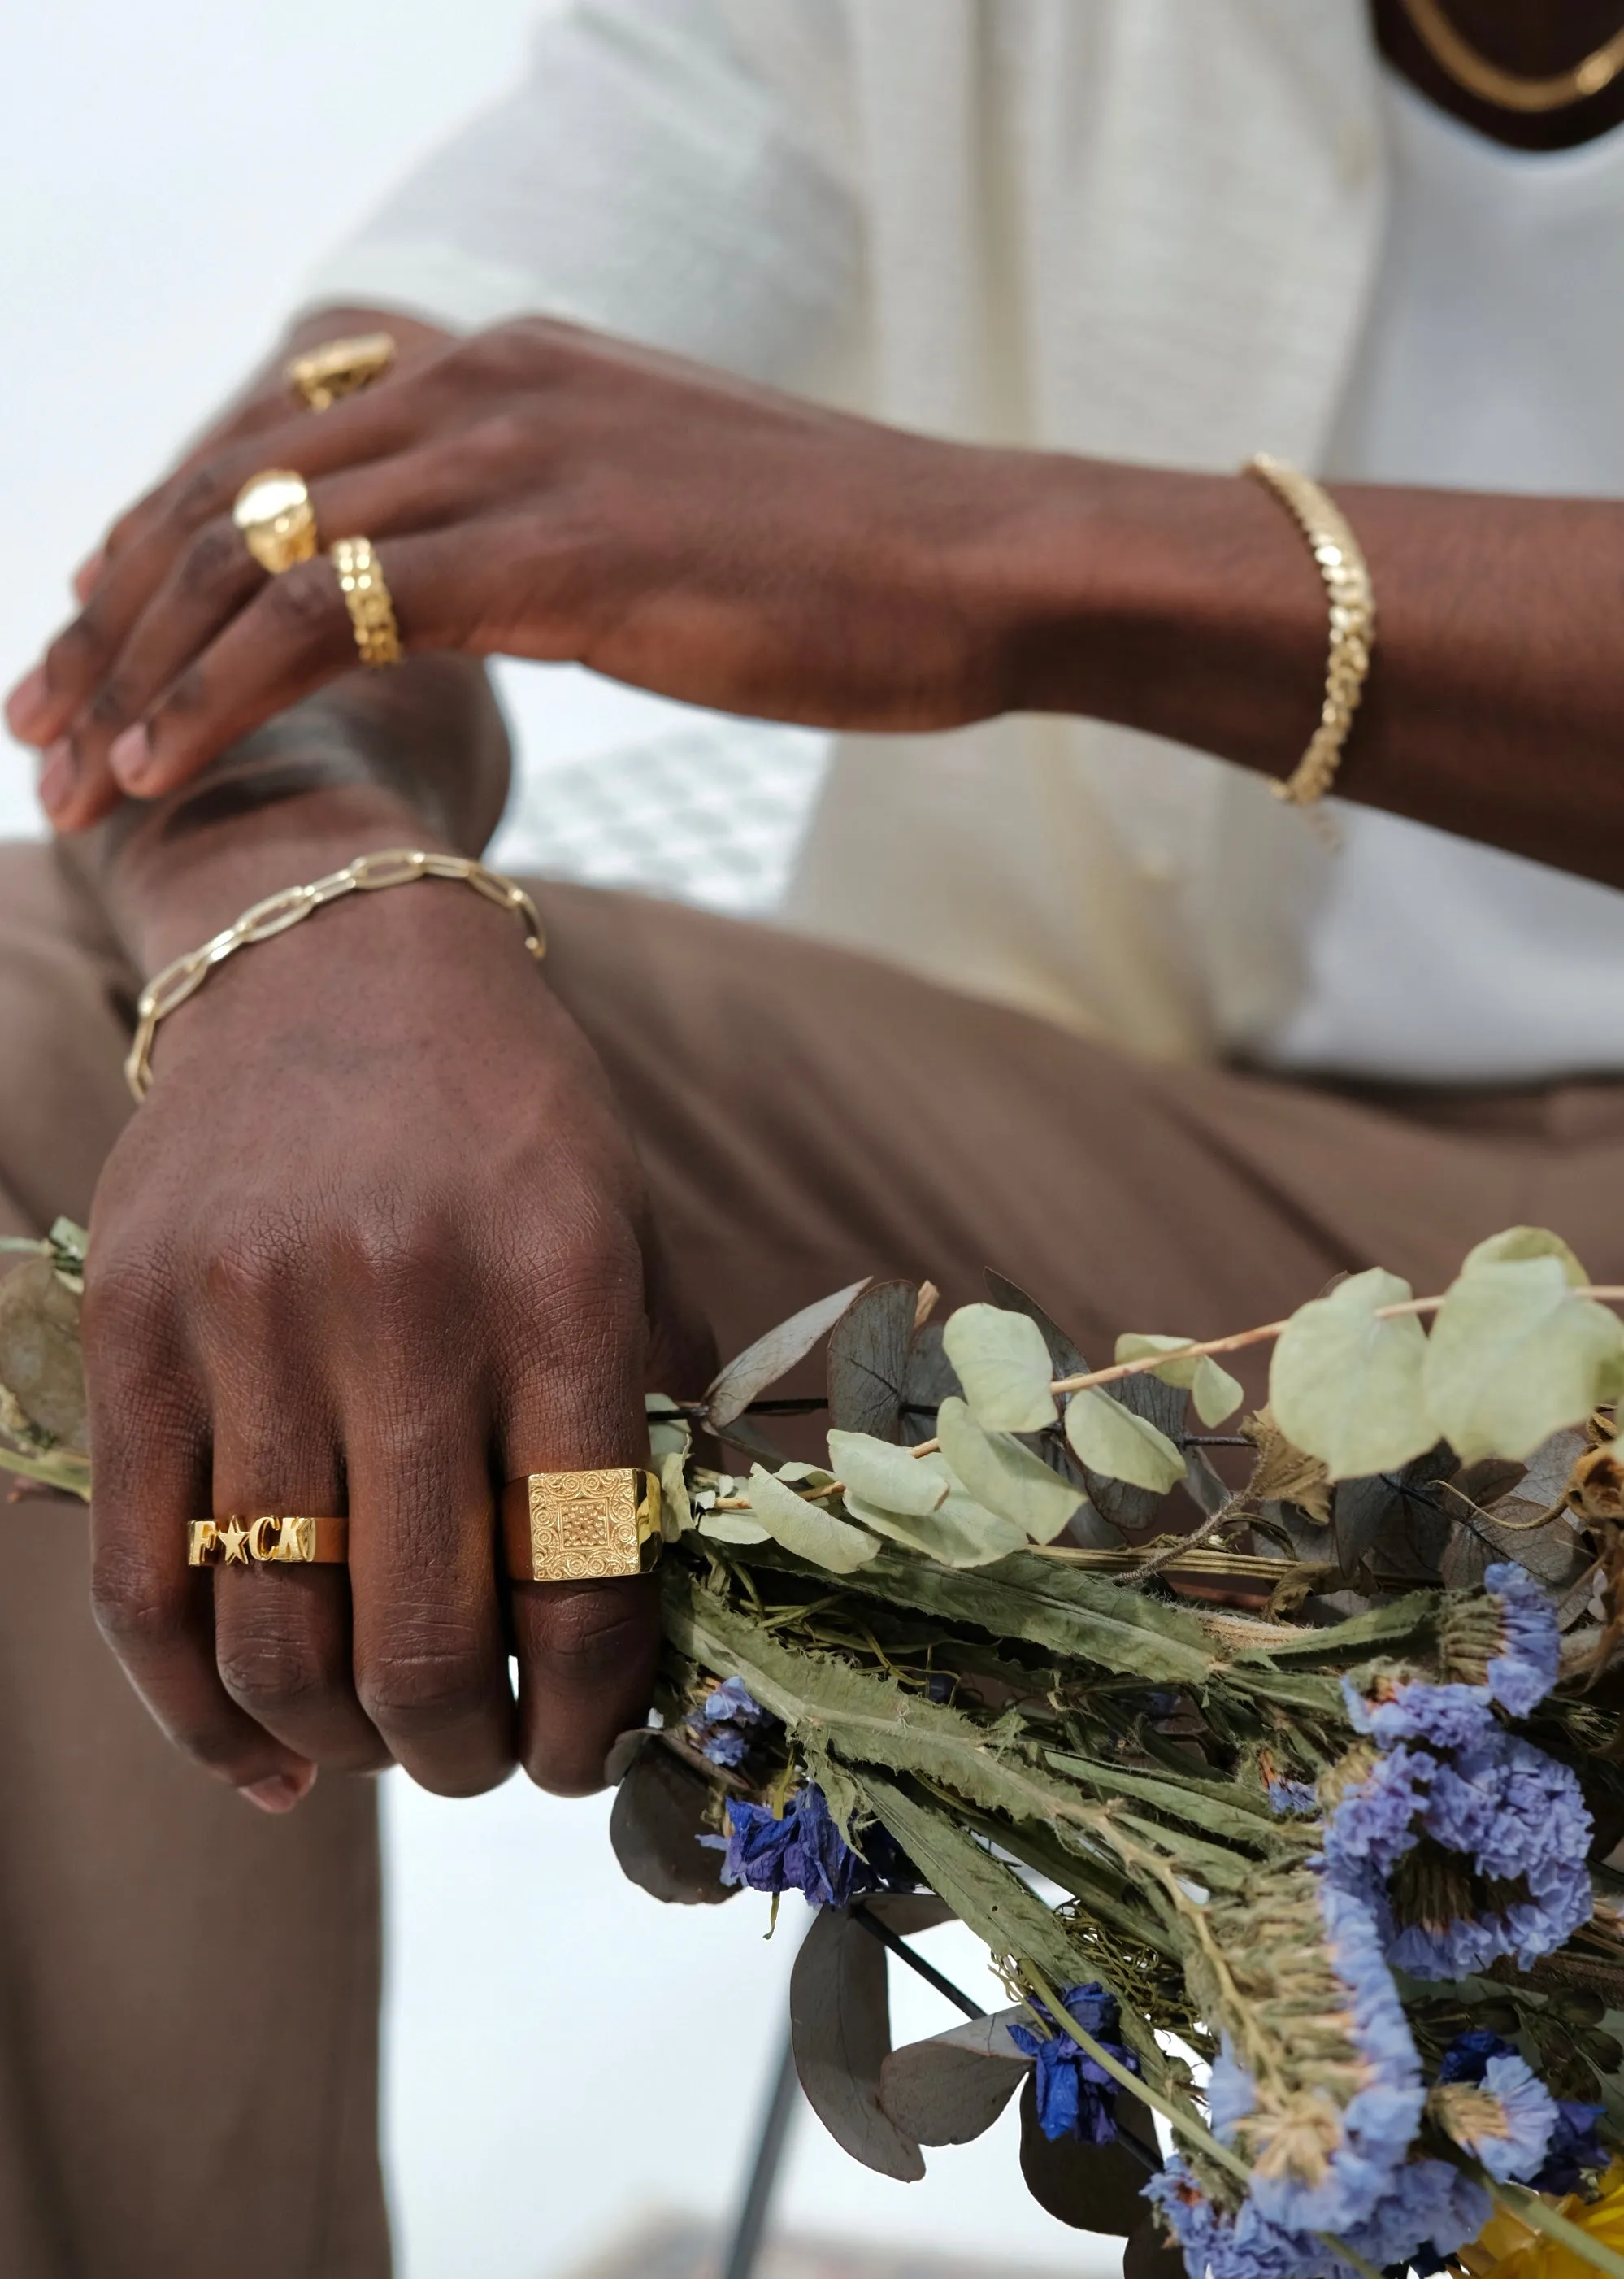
587, 1651
149, 1452
216, 576
145, 545
293, 637
429, 1656
282, 1632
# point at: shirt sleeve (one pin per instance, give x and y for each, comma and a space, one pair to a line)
649, 176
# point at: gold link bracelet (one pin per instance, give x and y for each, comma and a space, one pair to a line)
368, 874
1342, 566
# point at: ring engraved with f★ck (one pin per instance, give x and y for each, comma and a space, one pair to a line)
581, 1527
240, 1538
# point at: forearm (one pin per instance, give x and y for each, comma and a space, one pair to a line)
1189, 606
418, 755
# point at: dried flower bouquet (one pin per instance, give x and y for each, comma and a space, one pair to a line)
1284, 1811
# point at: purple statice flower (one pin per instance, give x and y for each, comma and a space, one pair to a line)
1244, 2245
1575, 2152
805, 1852
1524, 1669
1376, 1821
1293, 1796
1517, 1814
1076, 2095
1431, 2210
1439, 1716
723, 1725
1512, 2143
1378, 2121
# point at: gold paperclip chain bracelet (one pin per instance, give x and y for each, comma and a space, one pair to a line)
368, 874
1342, 566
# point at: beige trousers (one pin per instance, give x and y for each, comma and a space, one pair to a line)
188, 1990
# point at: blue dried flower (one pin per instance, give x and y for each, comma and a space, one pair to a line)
1516, 1815
1441, 1716
1293, 1796
1379, 2121
1511, 2141
1524, 1669
1245, 2245
1574, 2151
1076, 2095
1375, 1822
805, 1852
1431, 2210
723, 1725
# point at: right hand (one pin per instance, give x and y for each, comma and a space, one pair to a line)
377, 1241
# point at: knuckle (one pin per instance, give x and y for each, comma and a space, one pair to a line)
212, 560
303, 604
197, 498
418, 1693
264, 1672
595, 1633
134, 1612
244, 1276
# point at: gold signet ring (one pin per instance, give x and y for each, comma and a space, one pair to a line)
581, 1527
238, 1538
278, 522
321, 375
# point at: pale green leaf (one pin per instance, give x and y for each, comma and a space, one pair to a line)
732, 1527
1524, 1242
669, 1430
1215, 1392
730, 1392
805, 1530
1004, 1475
960, 1532
676, 1510
1346, 1387
1114, 1441
1003, 1364
882, 1473
1514, 1355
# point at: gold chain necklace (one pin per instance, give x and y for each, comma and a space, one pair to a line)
1510, 90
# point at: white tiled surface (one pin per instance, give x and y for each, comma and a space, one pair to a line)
563, 2054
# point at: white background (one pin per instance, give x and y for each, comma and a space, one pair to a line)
563, 2052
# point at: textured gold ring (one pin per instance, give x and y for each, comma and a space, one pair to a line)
581, 1527
238, 1538
367, 598
278, 522
322, 375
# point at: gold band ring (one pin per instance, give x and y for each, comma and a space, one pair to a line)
581, 1527
278, 522
267, 1537
337, 368
367, 598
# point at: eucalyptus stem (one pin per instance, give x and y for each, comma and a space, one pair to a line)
1528, 2208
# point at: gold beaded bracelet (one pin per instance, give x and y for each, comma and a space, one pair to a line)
1353, 621
368, 874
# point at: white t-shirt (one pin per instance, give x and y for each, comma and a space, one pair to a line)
1492, 359
1135, 230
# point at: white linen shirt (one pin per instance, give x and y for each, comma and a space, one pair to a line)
1142, 230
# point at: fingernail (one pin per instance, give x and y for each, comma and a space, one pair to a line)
88, 574
130, 756
28, 705
280, 1791
60, 775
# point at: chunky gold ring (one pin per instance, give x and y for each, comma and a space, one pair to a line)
367, 598
581, 1527
267, 1537
321, 375
278, 522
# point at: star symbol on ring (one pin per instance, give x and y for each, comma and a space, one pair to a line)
232, 1540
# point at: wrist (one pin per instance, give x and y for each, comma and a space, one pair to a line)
1181, 604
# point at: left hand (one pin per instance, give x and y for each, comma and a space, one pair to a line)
540, 491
